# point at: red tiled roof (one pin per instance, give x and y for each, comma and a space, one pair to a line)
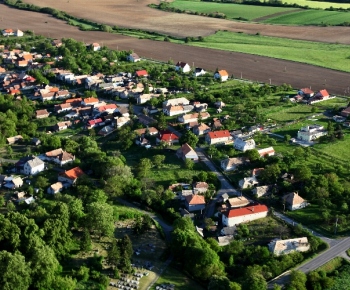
90, 100
73, 173
195, 199
324, 93
247, 210
223, 73
140, 73
106, 107
54, 89
307, 91
96, 121
219, 134
73, 100
168, 136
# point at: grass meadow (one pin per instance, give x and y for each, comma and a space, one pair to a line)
310, 17
329, 55
232, 11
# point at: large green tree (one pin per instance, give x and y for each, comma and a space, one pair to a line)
100, 219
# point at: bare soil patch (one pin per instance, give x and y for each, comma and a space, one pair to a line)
252, 67
136, 14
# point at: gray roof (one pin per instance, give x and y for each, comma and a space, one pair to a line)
35, 162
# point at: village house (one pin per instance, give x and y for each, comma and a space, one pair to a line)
218, 137
30, 165
177, 110
266, 152
182, 67
12, 182
55, 188
146, 120
95, 46
311, 132
217, 125
306, 93
239, 201
246, 214
199, 72
294, 201
194, 202
105, 131
63, 108
187, 152
141, 141
283, 247
90, 101
346, 112
70, 176
219, 104
40, 114
201, 129
221, 75
8, 32
188, 118
121, 121
59, 156
110, 108
62, 125
167, 137
94, 123
141, 73
146, 131
229, 164
14, 139
248, 182
176, 102
263, 190
200, 187
133, 57
244, 145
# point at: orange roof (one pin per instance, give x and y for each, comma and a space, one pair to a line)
140, 73
8, 30
219, 134
73, 100
195, 199
324, 93
106, 107
223, 73
90, 100
54, 89
27, 56
247, 210
168, 136
73, 173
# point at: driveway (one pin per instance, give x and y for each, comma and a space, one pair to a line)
226, 186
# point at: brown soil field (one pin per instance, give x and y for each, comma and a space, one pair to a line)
252, 67
136, 14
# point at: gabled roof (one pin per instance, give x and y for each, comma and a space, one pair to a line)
266, 151
54, 153
144, 130
73, 173
293, 198
238, 201
247, 210
57, 186
168, 136
107, 107
307, 91
95, 121
141, 73
195, 199
202, 127
181, 64
185, 149
90, 100
42, 112
219, 134
323, 93
223, 73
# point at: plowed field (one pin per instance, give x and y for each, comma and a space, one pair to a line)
252, 67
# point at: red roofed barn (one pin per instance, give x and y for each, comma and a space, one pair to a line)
245, 214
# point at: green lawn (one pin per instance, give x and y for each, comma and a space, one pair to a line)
288, 113
232, 11
318, 4
334, 56
181, 282
311, 17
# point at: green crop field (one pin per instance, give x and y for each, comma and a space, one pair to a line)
317, 4
334, 56
311, 17
232, 11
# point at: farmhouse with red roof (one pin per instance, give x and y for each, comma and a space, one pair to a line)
194, 202
168, 137
246, 214
70, 176
218, 137
141, 73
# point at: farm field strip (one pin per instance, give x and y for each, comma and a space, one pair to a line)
119, 13
334, 56
232, 11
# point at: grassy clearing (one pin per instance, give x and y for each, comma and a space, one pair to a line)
332, 265
232, 11
335, 56
311, 17
181, 282
289, 113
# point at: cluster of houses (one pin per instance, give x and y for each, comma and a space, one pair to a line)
306, 95
12, 32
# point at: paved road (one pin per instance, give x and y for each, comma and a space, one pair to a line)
226, 187
166, 228
336, 250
